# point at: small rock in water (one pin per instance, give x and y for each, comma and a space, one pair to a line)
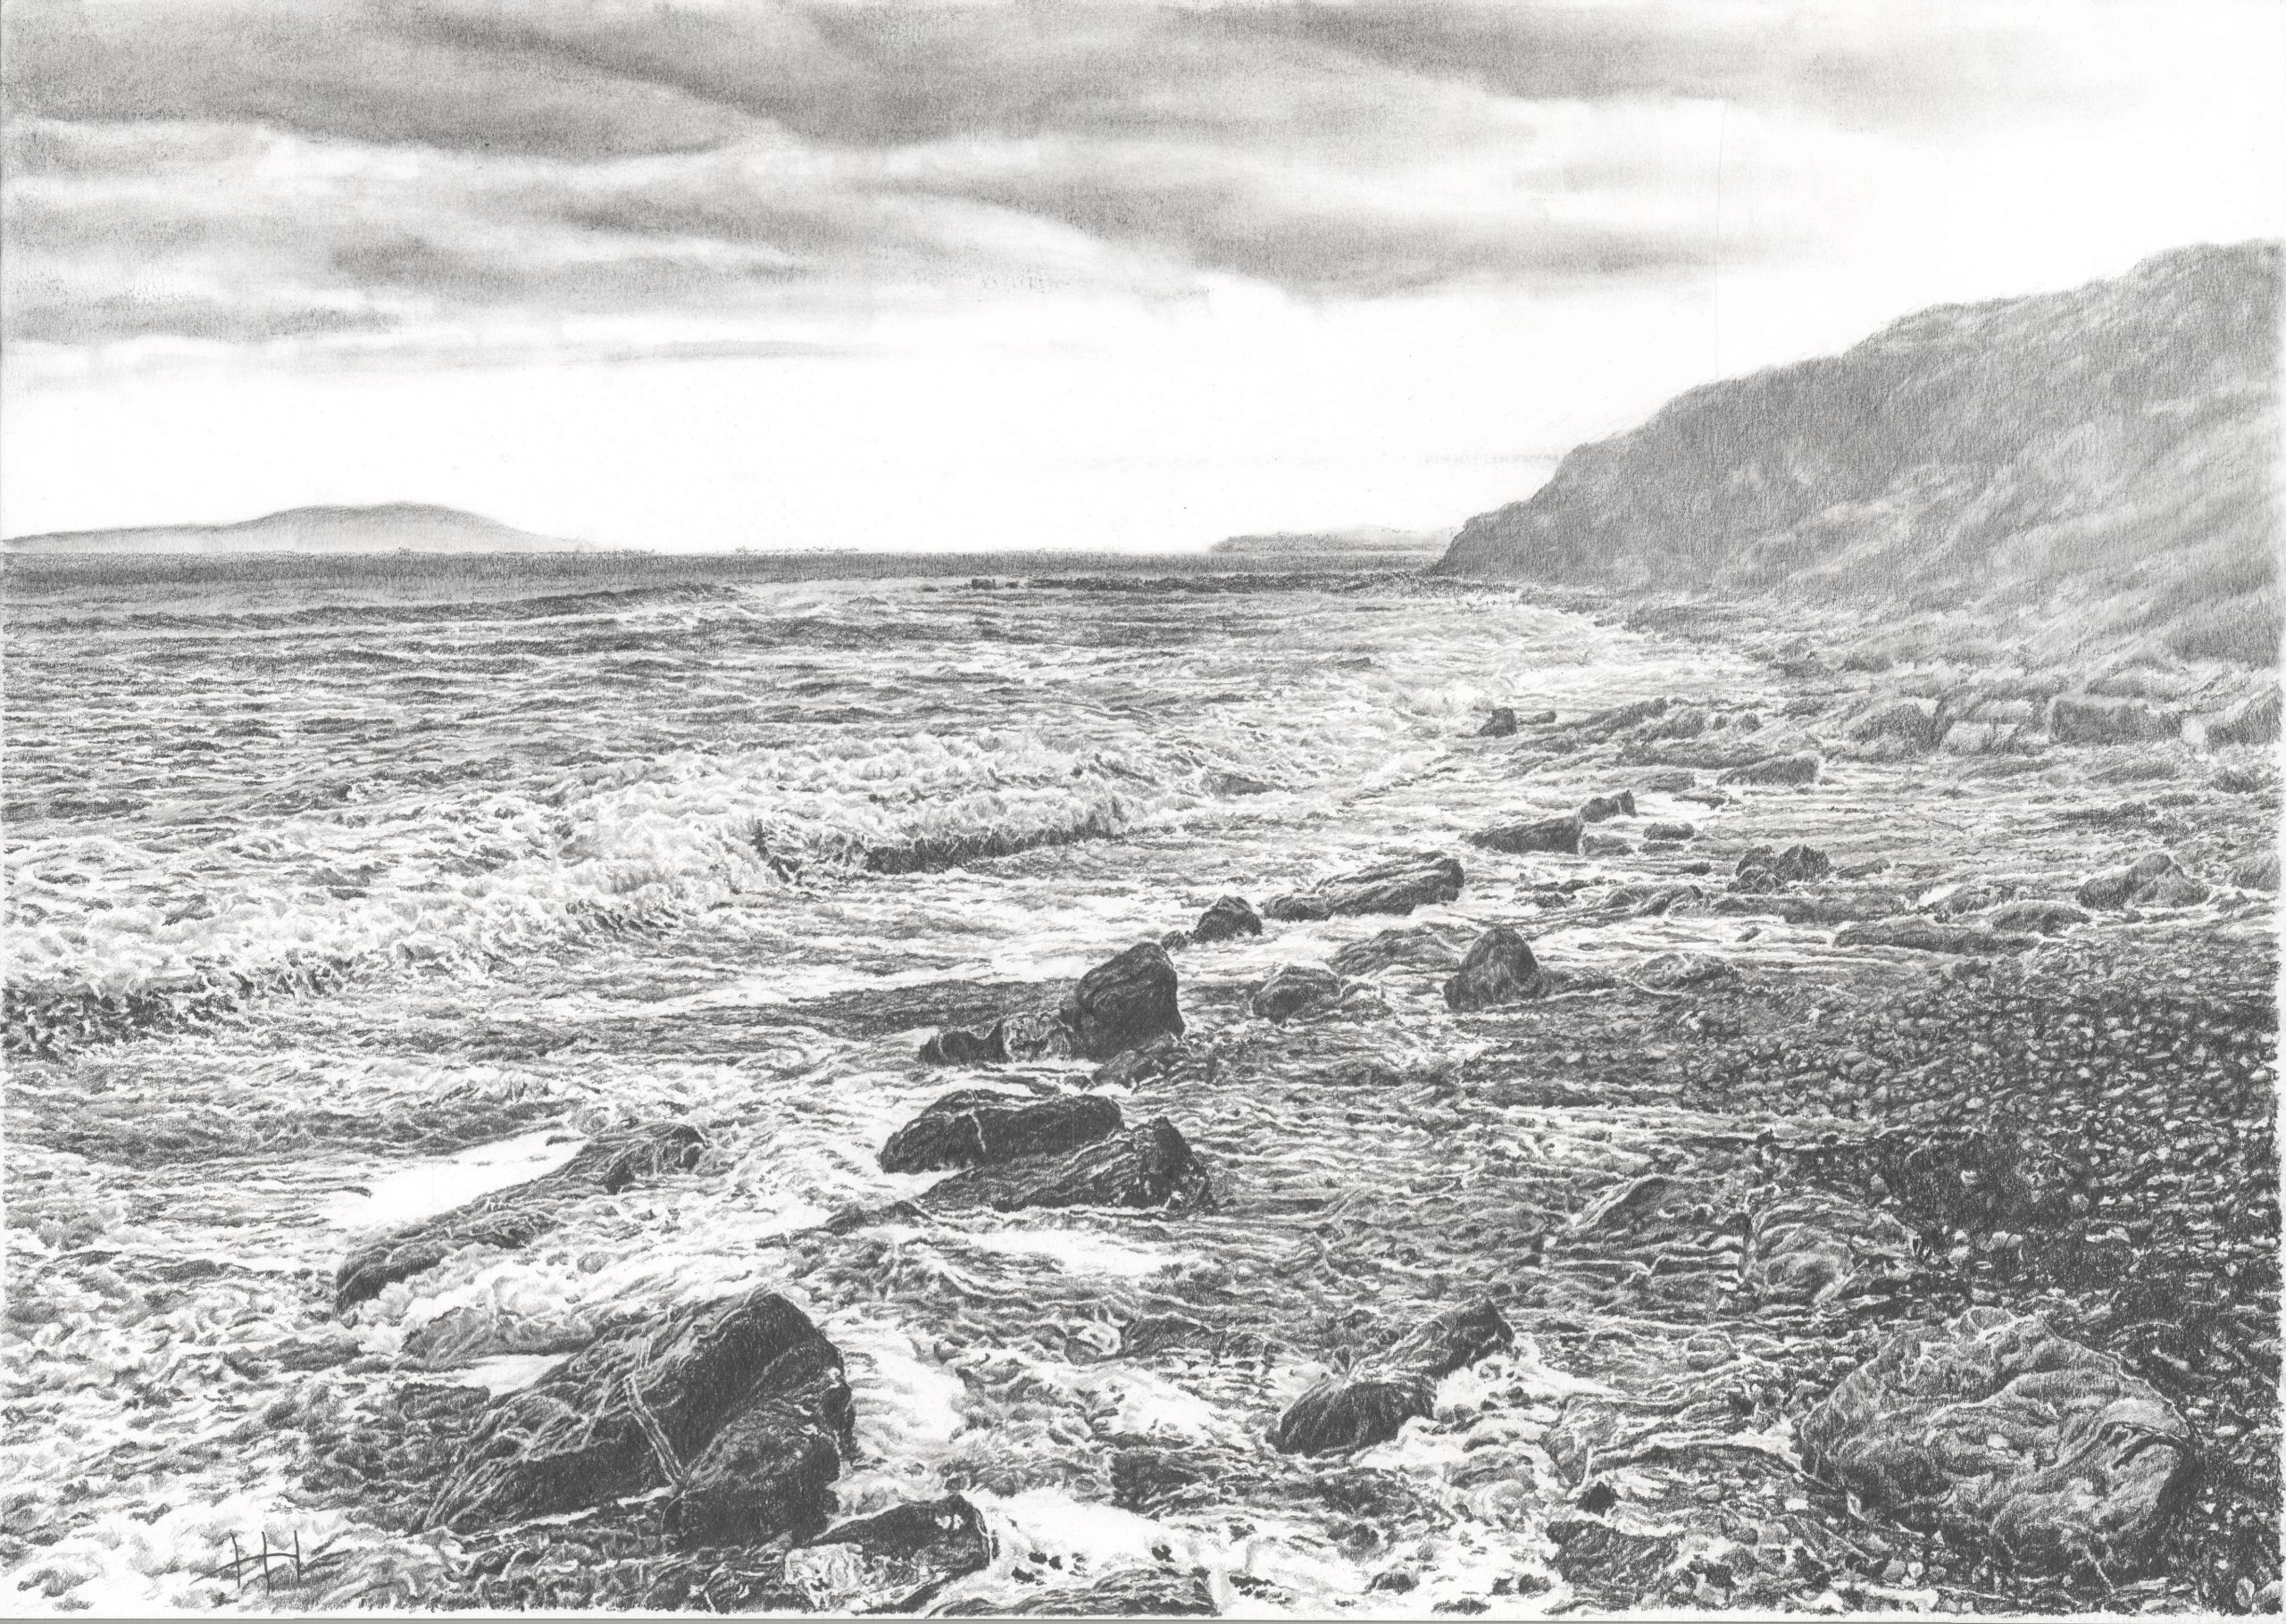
1675, 781
1762, 869
975, 1128
893, 1561
2041, 915
1800, 768
1146, 1167
1559, 834
1292, 988
1501, 724
1605, 846
1122, 1003
1500, 968
2001, 1434
1597, 808
1229, 917
1397, 887
1377, 1397
955, 1047
1671, 831
2155, 881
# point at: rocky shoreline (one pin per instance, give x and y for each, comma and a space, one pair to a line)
1916, 1250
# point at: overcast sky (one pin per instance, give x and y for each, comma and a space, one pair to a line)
718, 273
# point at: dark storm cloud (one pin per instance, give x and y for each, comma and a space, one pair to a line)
281, 168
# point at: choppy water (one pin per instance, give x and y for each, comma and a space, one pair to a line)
332, 903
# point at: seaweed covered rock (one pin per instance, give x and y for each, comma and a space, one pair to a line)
625, 1413
2000, 1435
1377, 1397
1497, 969
1147, 1167
1292, 988
974, 1127
1396, 887
1596, 809
955, 1047
893, 1561
1801, 767
1918, 933
1122, 1003
1229, 917
1816, 1246
514, 1217
1560, 835
2156, 881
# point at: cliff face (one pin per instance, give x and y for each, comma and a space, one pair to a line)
2105, 457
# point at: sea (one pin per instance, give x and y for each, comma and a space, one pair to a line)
342, 891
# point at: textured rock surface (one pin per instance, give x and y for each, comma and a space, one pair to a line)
976, 1126
1816, 1246
1292, 988
1801, 767
1498, 967
1560, 835
1147, 1167
1396, 887
1377, 1397
1920, 934
893, 1561
1122, 1003
1229, 917
955, 1047
2155, 881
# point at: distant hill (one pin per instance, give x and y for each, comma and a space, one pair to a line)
1359, 538
2096, 467
391, 526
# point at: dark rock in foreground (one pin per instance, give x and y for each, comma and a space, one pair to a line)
516, 1216
1498, 969
976, 1126
1377, 1397
2157, 881
1799, 769
1229, 917
1559, 834
1397, 887
1292, 988
893, 1561
1999, 1434
1146, 1167
1917, 933
954, 1048
625, 1414
1501, 724
1122, 1003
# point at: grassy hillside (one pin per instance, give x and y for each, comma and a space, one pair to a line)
389, 526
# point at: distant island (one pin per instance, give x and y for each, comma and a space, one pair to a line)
1379, 539
388, 526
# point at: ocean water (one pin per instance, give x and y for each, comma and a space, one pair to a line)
336, 898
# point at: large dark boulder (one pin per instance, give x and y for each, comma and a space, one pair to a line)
1762, 869
515, 1217
1560, 835
1396, 887
1801, 767
1147, 1167
628, 1411
1228, 918
1122, 1003
1292, 988
975, 1127
1497, 969
894, 1561
1595, 809
1378, 1396
955, 1047
2155, 881
2001, 1435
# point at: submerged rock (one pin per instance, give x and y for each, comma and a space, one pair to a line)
2157, 881
1231, 917
1597, 808
1376, 1398
1501, 724
1292, 988
1605, 846
893, 1561
1999, 1434
1146, 1167
1918, 933
1560, 835
1798, 769
1497, 969
976, 1126
1396, 887
954, 1048
625, 1412
516, 1216
1122, 1003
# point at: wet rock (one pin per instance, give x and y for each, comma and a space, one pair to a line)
1229, 918
1417, 948
1596, 809
975, 1128
2258, 872
1815, 1246
1681, 972
1501, 724
1763, 869
1292, 988
1624, 1203
1536, 719
514, 1217
1122, 1003
1377, 1397
2253, 721
625, 1413
1612, 1565
894, 1561
1147, 1167
1498, 967
1157, 1058
2042, 915
1999, 1434
1130, 1592
2155, 881
769, 1467
1796, 768
1671, 831
1918, 933
1605, 846
1396, 887
2082, 721
955, 1047
1916, 723
1674, 782
1560, 835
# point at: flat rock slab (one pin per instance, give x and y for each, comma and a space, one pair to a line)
1396, 887
648, 1404
1999, 1434
1415, 947
1374, 1400
977, 1127
1148, 1167
513, 1218
1559, 836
